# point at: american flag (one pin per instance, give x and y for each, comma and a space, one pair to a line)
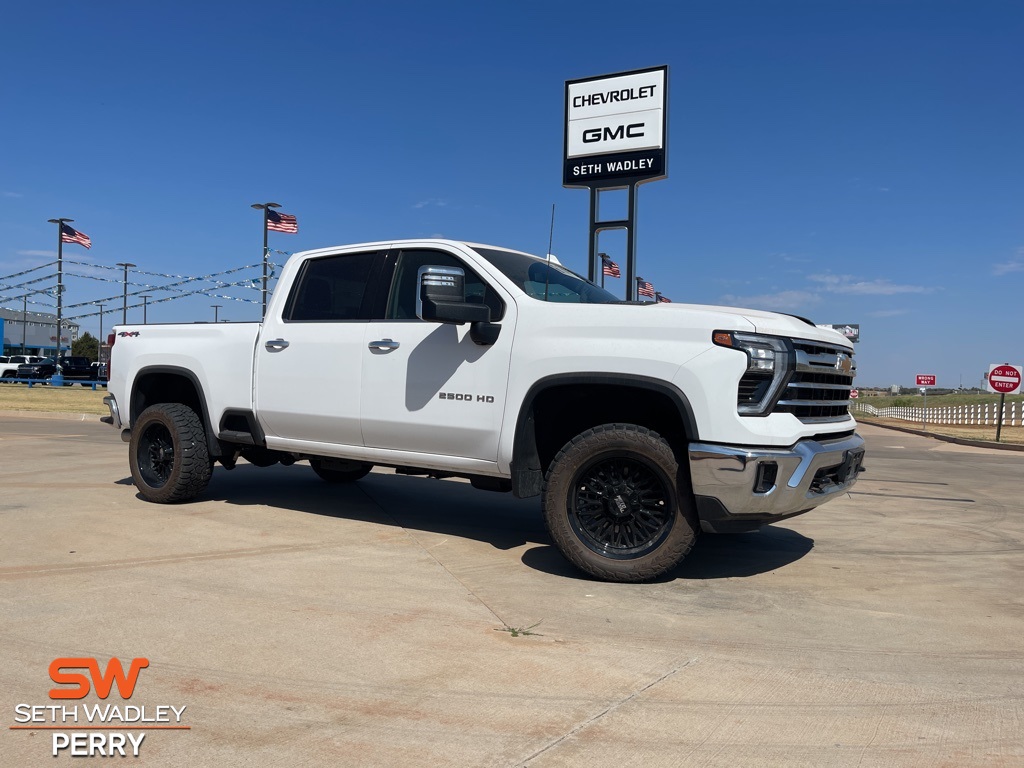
282, 222
71, 235
643, 288
662, 299
609, 268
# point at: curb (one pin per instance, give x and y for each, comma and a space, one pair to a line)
945, 438
61, 415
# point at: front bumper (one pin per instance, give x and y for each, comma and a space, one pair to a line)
740, 489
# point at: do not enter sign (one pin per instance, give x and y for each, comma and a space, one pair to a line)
1004, 379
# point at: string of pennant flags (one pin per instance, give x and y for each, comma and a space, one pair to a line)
181, 287
26, 293
182, 294
184, 280
25, 272
27, 282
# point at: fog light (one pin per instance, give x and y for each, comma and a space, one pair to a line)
767, 473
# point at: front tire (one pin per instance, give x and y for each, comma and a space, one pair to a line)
617, 505
168, 454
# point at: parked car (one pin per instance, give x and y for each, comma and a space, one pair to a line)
77, 368
9, 364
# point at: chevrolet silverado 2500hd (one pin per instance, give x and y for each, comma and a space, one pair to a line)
639, 424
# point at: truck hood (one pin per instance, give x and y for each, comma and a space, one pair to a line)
772, 323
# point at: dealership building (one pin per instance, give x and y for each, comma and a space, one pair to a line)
34, 333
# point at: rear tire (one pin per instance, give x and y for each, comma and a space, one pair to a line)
340, 471
617, 505
168, 454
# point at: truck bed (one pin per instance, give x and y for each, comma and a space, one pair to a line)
218, 355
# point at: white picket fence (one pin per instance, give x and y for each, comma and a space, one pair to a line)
981, 415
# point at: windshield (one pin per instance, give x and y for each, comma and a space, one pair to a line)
545, 280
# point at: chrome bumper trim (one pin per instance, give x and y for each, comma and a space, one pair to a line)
728, 474
115, 415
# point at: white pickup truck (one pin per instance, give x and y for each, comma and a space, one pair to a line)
639, 424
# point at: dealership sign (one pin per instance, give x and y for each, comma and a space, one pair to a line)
850, 330
615, 129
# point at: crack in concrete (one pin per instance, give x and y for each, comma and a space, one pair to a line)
607, 711
427, 550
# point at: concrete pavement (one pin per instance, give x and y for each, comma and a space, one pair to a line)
404, 621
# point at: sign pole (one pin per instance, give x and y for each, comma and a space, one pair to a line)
925, 380
1003, 379
999, 420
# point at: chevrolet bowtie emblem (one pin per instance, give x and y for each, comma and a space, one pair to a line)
844, 363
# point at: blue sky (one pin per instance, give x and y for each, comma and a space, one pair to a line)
852, 162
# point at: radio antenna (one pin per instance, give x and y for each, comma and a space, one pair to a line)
551, 238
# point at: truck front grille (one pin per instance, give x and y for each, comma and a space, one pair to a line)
819, 385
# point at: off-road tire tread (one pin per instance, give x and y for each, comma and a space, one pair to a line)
560, 472
193, 467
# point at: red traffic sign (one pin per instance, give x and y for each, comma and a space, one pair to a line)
854, 394
1004, 379
926, 379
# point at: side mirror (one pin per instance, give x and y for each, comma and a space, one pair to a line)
441, 297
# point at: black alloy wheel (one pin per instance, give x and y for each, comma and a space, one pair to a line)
621, 507
617, 504
156, 455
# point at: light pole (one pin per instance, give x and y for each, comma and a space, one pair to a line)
24, 316
99, 341
124, 297
216, 311
145, 309
265, 207
60, 280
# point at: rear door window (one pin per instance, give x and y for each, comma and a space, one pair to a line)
334, 288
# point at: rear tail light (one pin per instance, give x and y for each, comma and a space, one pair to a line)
110, 353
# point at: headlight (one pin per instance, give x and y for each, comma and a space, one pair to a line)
768, 365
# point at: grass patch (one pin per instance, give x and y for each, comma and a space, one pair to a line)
47, 399
521, 631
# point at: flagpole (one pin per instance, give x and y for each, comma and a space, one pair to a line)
60, 283
263, 291
265, 207
60, 286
